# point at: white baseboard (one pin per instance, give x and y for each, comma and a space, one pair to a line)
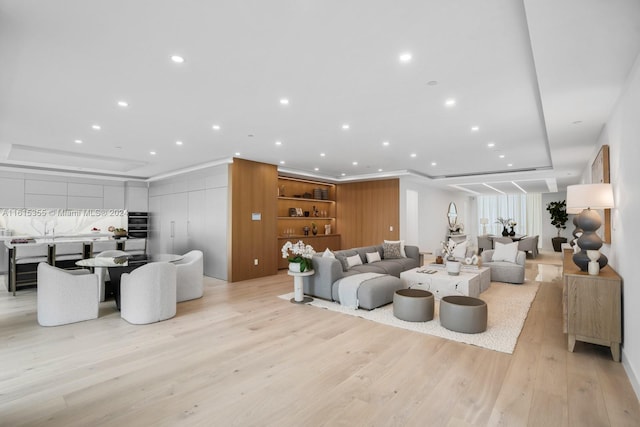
633, 378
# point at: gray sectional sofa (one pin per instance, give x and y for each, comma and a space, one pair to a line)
375, 293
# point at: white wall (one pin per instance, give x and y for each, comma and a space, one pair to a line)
433, 205
622, 134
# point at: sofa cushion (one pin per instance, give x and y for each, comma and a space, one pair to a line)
354, 260
342, 257
460, 251
373, 257
392, 250
505, 252
369, 268
402, 252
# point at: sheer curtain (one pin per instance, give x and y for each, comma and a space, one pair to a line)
524, 209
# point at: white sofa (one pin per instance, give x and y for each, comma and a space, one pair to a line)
505, 271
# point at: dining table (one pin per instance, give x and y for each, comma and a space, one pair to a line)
125, 263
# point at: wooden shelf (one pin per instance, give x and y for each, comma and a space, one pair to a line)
310, 218
302, 236
303, 199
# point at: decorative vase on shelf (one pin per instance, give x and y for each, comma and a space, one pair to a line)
314, 230
505, 232
512, 232
453, 267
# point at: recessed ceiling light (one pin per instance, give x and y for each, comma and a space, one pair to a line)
178, 142
237, 153
215, 127
450, 102
432, 82
355, 163
343, 174
123, 104
282, 162
278, 142
405, 57
380, 170
434, 164
510, 164
475, 128
316, 169
284, 101
78, 141
491, 144
322, 154
346, 126
385, 143
95, 127
501, 156
177, 59
414, 155
153, 153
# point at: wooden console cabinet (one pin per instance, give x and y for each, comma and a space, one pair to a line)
592, 306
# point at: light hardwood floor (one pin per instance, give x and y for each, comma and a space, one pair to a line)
241, 356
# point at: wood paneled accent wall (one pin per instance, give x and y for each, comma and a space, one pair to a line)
367, 210
252, 189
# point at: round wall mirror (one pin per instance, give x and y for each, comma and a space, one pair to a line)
452, 215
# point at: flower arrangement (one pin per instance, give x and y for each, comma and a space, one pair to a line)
448, 247
504, 221
298, 253
457, 228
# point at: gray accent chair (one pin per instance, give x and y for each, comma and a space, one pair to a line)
504, 271
529, 244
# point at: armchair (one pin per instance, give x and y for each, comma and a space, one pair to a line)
505, 271
529, 244
65, 296
190, 273
148, 293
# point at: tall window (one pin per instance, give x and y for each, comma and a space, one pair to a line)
524, 209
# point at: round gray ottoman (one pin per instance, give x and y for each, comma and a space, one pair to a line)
413, 305
463, 314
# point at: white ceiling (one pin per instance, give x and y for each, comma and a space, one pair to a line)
523, 72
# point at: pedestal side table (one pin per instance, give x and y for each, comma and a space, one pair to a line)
298, 290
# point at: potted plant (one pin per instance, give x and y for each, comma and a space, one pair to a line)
559, 217
299, 256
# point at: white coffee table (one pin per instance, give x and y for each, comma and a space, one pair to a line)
470, 282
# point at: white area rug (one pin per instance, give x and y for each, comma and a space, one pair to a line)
507, 304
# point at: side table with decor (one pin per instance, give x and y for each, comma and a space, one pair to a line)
298, 292
299, 256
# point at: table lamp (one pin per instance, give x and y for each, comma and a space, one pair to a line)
589, 197
484, 222
577, 231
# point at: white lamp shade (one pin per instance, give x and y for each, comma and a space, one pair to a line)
484, 221
594, 196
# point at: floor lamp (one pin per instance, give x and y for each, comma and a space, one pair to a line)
589, 197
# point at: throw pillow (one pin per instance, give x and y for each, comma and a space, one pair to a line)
505, 252
460, 251
402, 252
354, 260
328, 254
391, 250
373, 257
